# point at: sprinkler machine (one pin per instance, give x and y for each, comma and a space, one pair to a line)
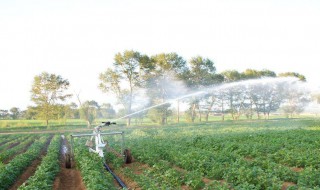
99, 146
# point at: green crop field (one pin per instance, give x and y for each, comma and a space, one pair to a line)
257, 154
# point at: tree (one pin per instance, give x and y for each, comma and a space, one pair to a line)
107, 111
30, 113
88, 111
163, 82
293, 74
124, 78
46, 92
15, 112
74, 111
231, 75
4, 114
202, 74
296, 98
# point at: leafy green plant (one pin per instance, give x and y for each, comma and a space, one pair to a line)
48, 169
16, 166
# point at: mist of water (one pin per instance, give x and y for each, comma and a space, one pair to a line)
166, 102
286, 81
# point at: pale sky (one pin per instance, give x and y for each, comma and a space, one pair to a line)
78, 39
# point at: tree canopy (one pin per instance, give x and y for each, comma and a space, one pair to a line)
46, 92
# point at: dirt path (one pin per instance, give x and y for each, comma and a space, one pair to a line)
31, 168
67, 179
131, 185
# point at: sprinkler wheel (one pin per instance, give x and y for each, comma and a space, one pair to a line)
127, 156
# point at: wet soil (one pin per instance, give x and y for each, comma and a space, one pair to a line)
68, 178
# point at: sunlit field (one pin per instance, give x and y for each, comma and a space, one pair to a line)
278, 153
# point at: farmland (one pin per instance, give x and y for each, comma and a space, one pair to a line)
257, 154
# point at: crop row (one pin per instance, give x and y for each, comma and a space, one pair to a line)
12, 141
91, 167
16, 149
47, 170
247, 160
11, 171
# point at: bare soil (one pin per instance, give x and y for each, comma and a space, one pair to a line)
297, 169
285, 185
68, 178
131, 185
31, 168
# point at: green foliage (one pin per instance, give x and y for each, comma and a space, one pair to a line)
310, 177
16, 166
48, 169
46, 90
293, 74
258, 157
91, 167
160, 114
5, 155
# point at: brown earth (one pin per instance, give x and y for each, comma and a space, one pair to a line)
131, 185
285, 185
297, 169
31, 168
68, 178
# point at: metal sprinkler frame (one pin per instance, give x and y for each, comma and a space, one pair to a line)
100, 146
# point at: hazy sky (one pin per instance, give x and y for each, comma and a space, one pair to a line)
78, 39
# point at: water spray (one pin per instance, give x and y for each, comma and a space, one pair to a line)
202, 92
166, 102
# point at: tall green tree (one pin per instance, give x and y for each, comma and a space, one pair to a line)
15, 112
231, 75
124, 79
163, 82
46, 92
88, 111
202, 73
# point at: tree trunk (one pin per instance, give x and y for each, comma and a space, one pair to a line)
222, 111
178, 112
193, 112
128, 121
209, 108
200, 116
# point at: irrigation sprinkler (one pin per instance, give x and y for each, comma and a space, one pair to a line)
99, 145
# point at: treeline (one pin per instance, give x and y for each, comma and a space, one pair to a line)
167, 76
63, 111
138, 81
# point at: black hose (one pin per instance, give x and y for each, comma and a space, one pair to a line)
115, 176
